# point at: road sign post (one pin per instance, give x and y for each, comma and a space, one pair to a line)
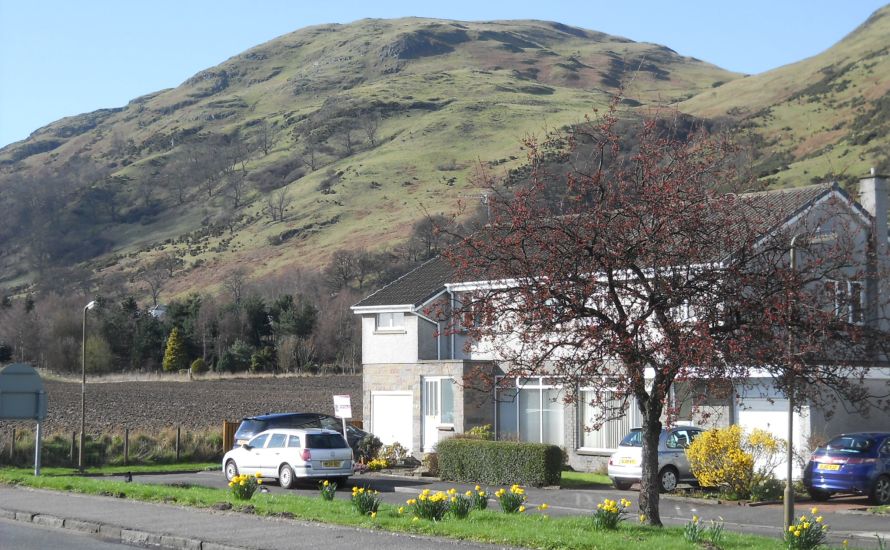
22, 398
343, 409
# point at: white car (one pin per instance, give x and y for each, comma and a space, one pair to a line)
288, 454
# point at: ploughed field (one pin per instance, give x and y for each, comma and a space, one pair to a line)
195, 405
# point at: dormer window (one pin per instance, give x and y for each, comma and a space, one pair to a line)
390, 321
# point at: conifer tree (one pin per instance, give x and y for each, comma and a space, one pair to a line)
175, 357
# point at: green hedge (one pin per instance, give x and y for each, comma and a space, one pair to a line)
499, 462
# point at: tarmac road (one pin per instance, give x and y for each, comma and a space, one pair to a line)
27, 536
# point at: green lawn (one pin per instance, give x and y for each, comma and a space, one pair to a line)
581, 480
533, 529
881, 510
112, 470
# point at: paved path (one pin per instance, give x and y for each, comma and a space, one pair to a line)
158, 525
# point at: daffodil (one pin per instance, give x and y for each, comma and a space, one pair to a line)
814, 510
521, 509
401, 509
373, 515
543, 506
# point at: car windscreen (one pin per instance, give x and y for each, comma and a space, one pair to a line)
633, 439
249, 428
325, 441
850, 444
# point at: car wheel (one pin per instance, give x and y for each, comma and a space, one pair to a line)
667, 480
880, 493
231, 470
286, 477
622, 485
821, 496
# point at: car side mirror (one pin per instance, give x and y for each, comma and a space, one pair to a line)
245, 446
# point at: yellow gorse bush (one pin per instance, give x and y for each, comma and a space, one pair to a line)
729, 458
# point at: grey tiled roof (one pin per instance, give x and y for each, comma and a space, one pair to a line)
414, 287
769, 208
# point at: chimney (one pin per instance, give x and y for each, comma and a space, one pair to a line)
873, 197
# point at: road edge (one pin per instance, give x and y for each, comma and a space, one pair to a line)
115, 533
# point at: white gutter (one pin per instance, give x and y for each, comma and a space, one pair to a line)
358, 310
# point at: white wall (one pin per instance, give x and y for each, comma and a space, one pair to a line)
389, 346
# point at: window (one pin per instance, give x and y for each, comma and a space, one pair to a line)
611, 432
532, 411
680, 439
325, 441
846, 300
293, 441
277, 441
391, 321
438, 399
259, 441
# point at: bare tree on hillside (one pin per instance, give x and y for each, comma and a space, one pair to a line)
234, 284
263, 136
369, 121
154, 276
277, 204
341, 270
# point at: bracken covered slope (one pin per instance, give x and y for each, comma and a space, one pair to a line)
428, 102
826, 117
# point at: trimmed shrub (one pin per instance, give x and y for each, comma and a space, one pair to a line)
198, 366
499, 462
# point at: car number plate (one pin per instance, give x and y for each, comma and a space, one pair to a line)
828, 467
331, 463
628, 460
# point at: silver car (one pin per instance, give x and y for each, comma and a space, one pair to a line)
626, 464
288, 454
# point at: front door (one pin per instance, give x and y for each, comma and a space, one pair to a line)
438, 409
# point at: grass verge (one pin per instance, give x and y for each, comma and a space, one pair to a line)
531, 530
117, 470
583, 480
881, 510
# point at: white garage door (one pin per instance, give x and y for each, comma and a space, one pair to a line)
391, 418
773, 418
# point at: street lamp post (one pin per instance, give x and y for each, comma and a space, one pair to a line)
83, 385
788, 500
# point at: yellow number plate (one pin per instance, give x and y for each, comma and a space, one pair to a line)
628, 460
331, 463
828, 467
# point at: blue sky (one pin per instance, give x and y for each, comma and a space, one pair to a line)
61, 58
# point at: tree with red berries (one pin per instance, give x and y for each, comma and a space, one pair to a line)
629, 262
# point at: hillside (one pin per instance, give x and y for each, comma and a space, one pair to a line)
334, 136
826, 117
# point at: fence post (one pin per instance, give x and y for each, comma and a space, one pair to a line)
178, 429
71, 449
126, 446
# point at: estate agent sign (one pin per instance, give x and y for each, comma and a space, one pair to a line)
22, 398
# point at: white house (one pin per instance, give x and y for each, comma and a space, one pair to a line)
414, 369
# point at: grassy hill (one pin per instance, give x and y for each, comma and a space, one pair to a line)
365, 127
826, 117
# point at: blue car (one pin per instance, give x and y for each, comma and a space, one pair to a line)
851, 463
